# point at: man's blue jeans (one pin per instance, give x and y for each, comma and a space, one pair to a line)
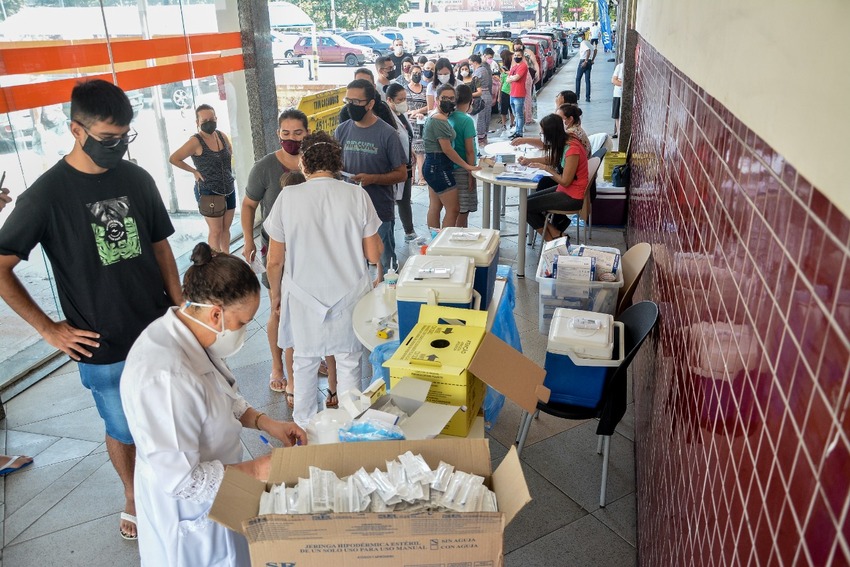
518, 106
387, 234
583, 70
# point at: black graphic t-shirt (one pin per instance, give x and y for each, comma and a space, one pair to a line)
97, 232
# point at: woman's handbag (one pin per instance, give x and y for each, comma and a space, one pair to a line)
212, 205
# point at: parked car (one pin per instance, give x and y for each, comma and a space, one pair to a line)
548, 53
16, 129
554, 43
412, 44
497, 41
332, 49
437, 40
535, 46
379, 44
283, 46
466, 35
182, 93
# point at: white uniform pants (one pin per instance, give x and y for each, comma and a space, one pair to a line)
306, 371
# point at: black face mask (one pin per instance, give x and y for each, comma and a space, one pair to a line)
209, 127
357, 113
416, 77
107, 158
518, 59
447, 107
427, 74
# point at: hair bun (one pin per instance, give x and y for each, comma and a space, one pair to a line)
201, 254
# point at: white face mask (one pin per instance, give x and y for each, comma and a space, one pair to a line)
464, 73
398, 50
227, 342
400, 107
443, 79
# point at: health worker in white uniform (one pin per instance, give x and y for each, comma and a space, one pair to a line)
185, 413
321, 232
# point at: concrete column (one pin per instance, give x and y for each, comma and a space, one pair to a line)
259, 75
627, 41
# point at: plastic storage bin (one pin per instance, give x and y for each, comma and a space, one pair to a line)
484, 250
609, 207
600, 297
413, 291
571, 378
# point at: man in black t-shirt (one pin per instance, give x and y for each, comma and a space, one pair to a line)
102, 224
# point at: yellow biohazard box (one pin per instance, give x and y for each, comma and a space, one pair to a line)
439, 349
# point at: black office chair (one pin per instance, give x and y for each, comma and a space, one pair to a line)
638, 321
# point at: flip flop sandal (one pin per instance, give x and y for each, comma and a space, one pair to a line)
331, 401
290, 399
323, 368
277, 389
9, 469
132, 519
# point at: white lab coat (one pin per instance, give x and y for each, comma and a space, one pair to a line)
183, 412
323, 223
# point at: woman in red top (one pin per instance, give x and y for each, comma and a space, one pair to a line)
566, 162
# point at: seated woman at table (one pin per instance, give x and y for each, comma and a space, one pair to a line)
571, 116
318, 275
566, 162
186, 414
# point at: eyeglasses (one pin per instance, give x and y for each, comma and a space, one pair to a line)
111, 142
356, 101
388, 69
445, 99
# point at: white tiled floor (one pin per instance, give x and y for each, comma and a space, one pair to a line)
64, 509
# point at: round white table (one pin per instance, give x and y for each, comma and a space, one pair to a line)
505, 149
487, 176
376, 304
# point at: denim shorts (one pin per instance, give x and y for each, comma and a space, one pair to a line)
230, 199
104, 381
438, 172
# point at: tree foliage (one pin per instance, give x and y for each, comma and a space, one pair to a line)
353, 14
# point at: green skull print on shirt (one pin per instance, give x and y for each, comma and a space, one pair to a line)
115, 231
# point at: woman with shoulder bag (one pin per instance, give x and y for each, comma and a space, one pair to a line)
211, 154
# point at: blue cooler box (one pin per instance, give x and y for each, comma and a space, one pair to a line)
415, 288
454, 241
578, 359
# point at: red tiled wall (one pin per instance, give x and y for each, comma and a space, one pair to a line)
742, 437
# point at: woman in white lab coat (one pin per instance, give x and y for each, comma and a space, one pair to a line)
321, 234
185, 413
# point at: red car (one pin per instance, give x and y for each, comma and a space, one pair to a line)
548, 51
535, 46
332, 49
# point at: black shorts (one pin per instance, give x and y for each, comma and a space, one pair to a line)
505, 103
615, 108
594, 41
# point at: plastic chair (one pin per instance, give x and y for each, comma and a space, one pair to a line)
597, 141
586, 212
638, 321
633, 263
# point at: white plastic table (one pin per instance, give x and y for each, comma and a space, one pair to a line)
487, 176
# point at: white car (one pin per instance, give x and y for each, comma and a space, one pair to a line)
283, 44
453, 37
410, 44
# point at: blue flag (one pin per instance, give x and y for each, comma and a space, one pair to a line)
605, 24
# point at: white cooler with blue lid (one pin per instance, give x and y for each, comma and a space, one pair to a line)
480, 244
416, 287
578, 355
